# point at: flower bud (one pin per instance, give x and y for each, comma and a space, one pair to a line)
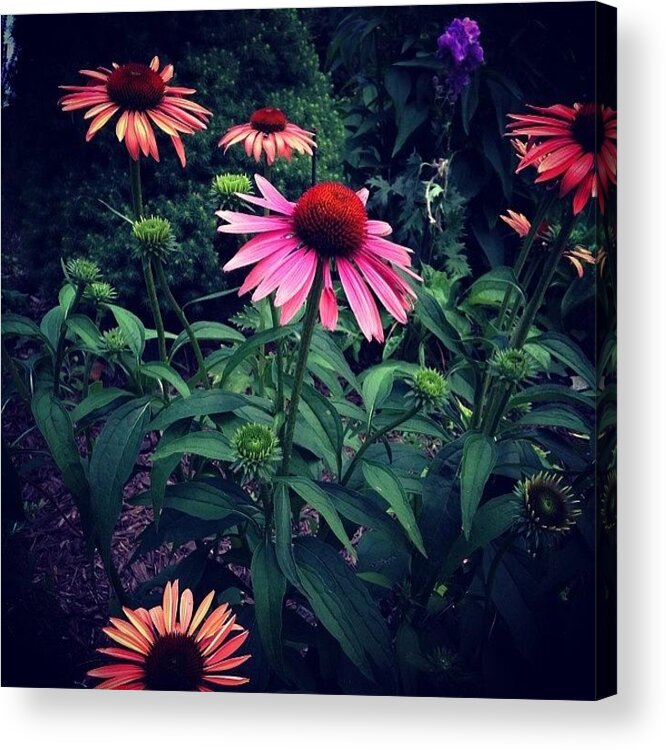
224, 187
83, 271
513, 365
100, 293
113, 340
154, 237
429, 388
257, 451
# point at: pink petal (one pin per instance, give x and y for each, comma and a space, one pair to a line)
257, 249
360, 300
382, 288
328, 303
247, 224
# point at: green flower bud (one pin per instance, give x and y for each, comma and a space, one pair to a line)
83, 271
513, 365
154, 237
113, 340
429, 388
548, 510
257, 451
100, 292
224, 187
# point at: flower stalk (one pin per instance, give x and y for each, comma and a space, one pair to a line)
309, 321
137, 207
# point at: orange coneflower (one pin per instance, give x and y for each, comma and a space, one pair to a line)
574, 145
143, 98
170, 648
269, 132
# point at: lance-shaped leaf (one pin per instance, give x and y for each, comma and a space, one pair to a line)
269, 587
112, 461
478, 460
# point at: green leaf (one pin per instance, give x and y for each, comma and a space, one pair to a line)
367, 509
161, 371
51, 325
97, 399
212, 445
198, 404
209, 500
492, 520
55, 425
377, 385
209, 297
408, 120
551, 394
555, 416
83, 327
478, 460
326, 348
569, 353
284, 550
112, 461
431, 314
269, 587
162, 468
344, 607
252, 344
314, 496
66, 298
387, 484
19, 325
132, 328
490, 288
324, 422
205, 330
398, 84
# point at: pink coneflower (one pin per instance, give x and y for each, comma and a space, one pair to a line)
574, 145
269, 132
172, 647
329, 224
143, 98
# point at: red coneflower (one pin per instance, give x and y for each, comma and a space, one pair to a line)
172, 647
143, 98
574, 145
270, 132
328, 224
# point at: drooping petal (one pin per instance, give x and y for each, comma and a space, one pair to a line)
360, 300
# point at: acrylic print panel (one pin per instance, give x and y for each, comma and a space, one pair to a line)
309, 353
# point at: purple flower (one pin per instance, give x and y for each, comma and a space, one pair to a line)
459, 47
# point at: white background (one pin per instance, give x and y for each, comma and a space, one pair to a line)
635, 718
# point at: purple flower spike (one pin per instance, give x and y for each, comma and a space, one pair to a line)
459, 47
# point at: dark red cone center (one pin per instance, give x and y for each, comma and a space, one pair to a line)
174, 663
268, 120
588, 128
135, 87
331, 219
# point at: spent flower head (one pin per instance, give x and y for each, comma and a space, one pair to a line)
154, 237
83, 270
256, 451
513, 365
548, 510
428, 388
100, 292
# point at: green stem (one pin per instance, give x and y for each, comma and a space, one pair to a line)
135, 185
309, 321
373, 439
279, 395
21, 387
203, 374
89, 359
155, 307
314, 158
530, 313
137, 208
